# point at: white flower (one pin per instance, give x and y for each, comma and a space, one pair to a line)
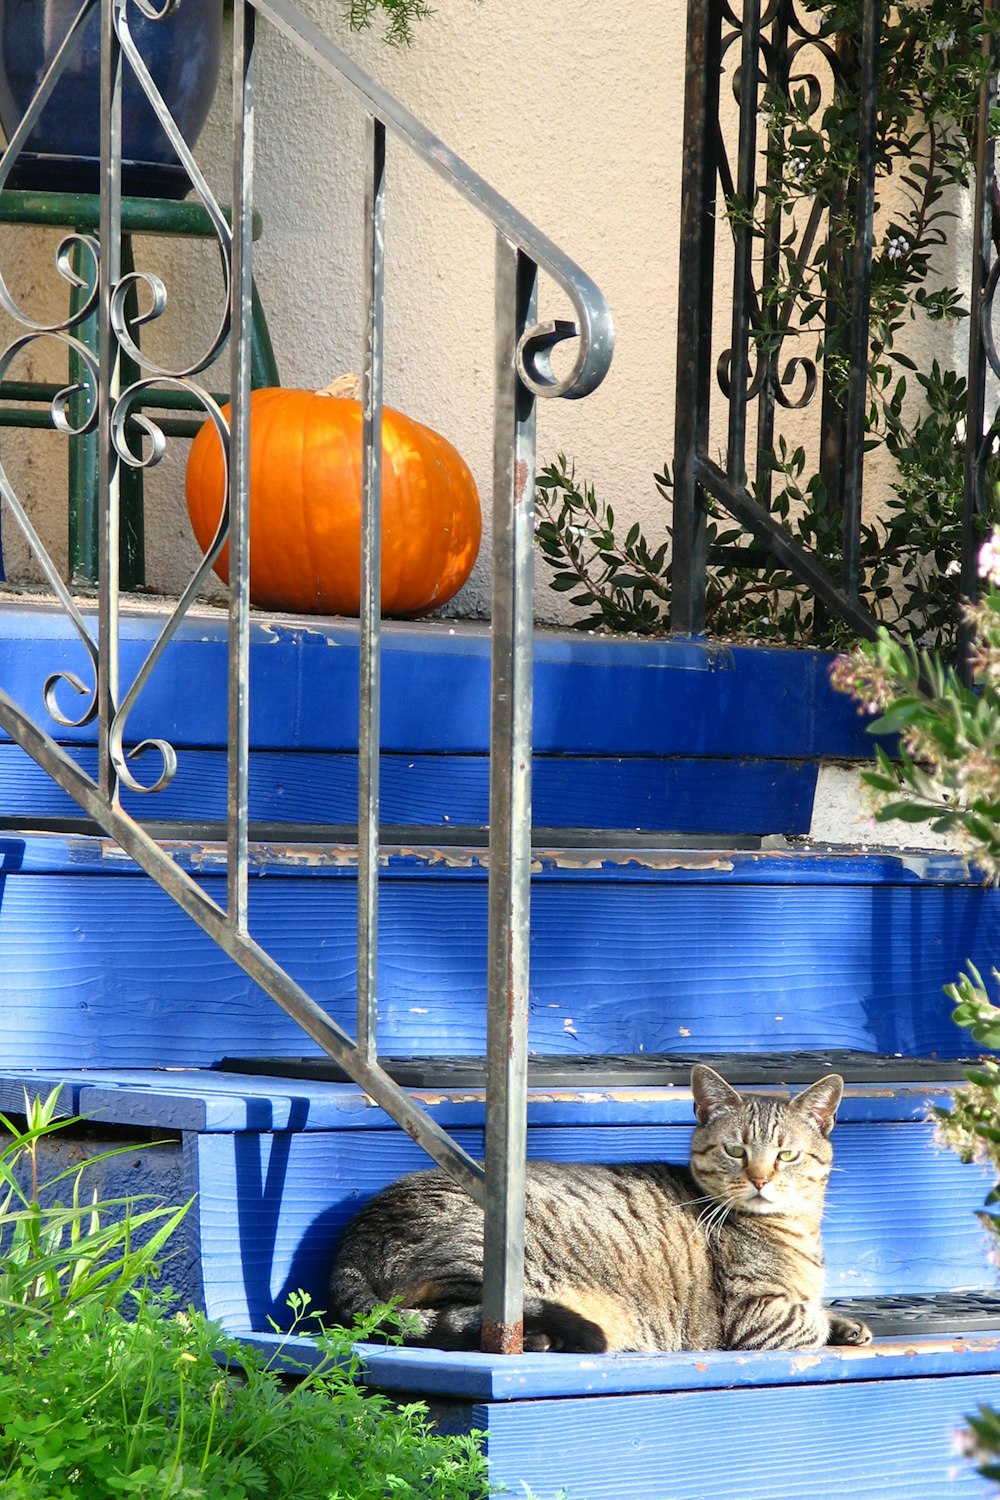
989, 559
898, 247
953, 568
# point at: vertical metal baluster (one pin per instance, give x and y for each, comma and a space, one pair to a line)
694, 311
771, 264
241, 305
108, 390
739, 361
510, 809
370, 628
983, 253
857, 339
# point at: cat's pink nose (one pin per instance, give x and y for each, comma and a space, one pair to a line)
760, 1182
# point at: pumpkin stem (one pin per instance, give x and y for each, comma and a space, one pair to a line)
347, 387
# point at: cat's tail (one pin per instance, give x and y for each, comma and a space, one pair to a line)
351, 1294
453, 1318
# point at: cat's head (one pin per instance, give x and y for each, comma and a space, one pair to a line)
760, 1153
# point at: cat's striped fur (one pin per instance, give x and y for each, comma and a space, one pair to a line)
642, 1256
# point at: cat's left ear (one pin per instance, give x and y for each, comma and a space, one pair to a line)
820, 1101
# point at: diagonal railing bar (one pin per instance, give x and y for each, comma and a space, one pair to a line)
524, 371
783, 548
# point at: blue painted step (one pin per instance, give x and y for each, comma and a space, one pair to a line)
641, 950
279, 1165
637, 948
650, 735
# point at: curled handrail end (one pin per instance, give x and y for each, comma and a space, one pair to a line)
595, 332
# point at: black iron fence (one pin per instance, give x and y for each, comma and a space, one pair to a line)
761, 351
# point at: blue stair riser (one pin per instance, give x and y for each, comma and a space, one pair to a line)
899, 1216
681, 794
894, 1439
593, 695
641, 952
648, 735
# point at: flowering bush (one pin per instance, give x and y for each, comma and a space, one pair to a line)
947, 768
947, 772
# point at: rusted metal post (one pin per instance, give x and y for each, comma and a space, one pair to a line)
510, 809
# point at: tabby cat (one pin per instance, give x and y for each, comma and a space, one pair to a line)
638, 1256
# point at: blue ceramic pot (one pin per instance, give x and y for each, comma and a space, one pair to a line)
182, 53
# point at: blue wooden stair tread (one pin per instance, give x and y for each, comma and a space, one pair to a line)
211, 1099
628, 1070
937, 1331
487, 1377
927, 1314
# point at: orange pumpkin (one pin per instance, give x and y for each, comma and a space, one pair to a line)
305, 505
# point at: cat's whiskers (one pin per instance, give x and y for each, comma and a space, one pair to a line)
711, 1219
704, 1220
705, 1198
721, 1218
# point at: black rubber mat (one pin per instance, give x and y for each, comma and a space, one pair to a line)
634, 1070
925, 1316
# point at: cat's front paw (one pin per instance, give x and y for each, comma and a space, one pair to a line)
848, 1331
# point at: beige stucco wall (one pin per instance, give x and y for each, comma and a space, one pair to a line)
570, 113
572, 110
561, 107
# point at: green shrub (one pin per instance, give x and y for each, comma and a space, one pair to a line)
105, 1393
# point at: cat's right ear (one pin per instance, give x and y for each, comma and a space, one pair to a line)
712, 1094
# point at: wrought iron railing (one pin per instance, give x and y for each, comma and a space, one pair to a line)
737, 58
111, 399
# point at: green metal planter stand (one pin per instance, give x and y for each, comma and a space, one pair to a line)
81, 213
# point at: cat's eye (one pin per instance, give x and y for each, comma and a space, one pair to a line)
731, 1150
789, 1155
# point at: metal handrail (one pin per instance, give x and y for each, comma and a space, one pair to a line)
523, 372
594, 325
